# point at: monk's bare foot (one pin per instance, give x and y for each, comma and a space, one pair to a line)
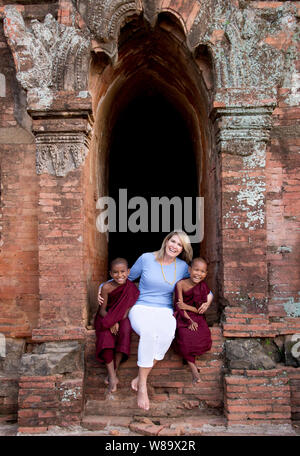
112, 384
106, 381
143, 399
135, 383
195, 373
196, 379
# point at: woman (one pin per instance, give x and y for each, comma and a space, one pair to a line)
151, 317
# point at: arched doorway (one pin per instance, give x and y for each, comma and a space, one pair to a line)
153, 135
156, 160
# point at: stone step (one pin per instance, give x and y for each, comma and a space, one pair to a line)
162, 405
169, 385
142, 425
162, 388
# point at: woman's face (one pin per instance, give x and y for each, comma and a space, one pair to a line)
173, 246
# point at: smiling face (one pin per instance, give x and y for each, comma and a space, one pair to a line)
198, 271
173, 246
119, 273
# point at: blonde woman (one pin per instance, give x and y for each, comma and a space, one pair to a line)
151, 317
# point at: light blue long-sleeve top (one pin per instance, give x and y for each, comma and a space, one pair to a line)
154, 290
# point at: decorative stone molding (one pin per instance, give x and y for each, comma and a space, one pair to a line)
52, 56
62, 135
240, 129
48, 56
104, 19
237, 38
59, 154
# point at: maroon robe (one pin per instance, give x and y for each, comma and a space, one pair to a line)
188, 343
119, 301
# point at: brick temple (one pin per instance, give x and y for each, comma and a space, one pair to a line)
172, 97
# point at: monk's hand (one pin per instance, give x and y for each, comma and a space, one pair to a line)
100, 299
193, 326
114, 329
203, 308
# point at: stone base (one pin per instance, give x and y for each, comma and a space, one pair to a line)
50, 400
255, 396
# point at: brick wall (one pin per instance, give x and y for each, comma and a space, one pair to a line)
283, 213
45, 401
9, 388
294, 382
254, 396
19, 300
237, 323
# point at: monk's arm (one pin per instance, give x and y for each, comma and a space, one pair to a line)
203, 308
184, 306
126, 314
186, 315
104, 292
180, 302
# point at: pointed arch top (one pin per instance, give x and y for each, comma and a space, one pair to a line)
241, 38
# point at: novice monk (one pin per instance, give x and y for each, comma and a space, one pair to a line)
112, 325
192, 299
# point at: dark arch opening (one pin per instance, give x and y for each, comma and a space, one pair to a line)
151, 155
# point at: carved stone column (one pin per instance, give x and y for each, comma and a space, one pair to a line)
62, 137
242, 131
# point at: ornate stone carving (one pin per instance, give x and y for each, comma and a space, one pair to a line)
48, 56
240, 129
104, 19
59, 154
236, 38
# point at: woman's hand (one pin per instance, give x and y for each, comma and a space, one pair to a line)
100, 299
193, 326
114, 329
203, 308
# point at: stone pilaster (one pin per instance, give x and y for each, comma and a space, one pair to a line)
242, 125
62, 137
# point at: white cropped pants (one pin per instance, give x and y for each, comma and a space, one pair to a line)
156, 327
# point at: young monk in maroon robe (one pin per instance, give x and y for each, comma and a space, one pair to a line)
192, 299
113, 329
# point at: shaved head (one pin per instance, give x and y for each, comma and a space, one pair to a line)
118, 261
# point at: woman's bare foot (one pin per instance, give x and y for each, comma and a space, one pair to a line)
135, 383
143, 399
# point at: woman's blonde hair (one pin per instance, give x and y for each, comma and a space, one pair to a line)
187, 251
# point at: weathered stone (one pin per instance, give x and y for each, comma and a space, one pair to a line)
13, 352
271, 349
9, 389
247, 354
60, 154
53, 358
292, 350
15, 135
279, 341
42, 54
